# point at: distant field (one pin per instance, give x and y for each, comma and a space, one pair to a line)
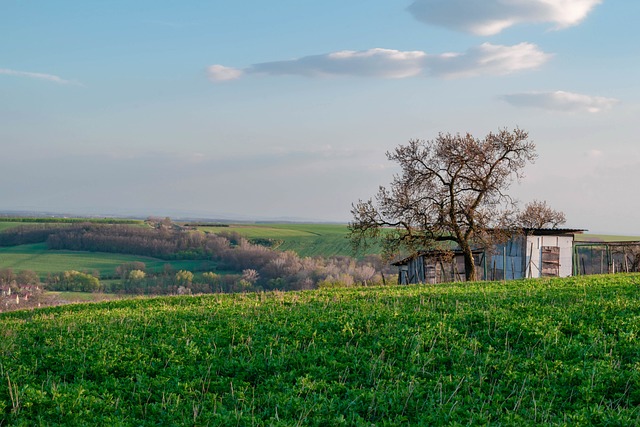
36, 257
305, 239
6, 225
605, 238
61, 220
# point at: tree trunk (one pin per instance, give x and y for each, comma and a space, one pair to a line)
469, 264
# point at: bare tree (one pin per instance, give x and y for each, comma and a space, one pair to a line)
451, 189
538, 214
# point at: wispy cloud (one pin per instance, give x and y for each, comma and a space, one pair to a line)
488, 17
39, 76
561, 101
486, 59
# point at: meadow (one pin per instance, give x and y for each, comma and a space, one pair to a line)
38, 258
304, 239
532, 352
4, 225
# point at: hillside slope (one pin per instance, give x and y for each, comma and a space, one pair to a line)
534, 352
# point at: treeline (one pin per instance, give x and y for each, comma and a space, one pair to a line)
258, 270
159, 242
262, 268
153, 242
135, 280
70, 220
28, 234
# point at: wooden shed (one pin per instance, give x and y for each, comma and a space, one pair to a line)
528, 253
436, 266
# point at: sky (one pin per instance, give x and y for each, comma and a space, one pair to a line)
284, 110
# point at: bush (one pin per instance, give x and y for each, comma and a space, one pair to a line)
74, 281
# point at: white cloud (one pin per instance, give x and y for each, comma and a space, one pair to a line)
488, 17
222, 73
594, 153
486, 59
386, 63
561, 101
39, 76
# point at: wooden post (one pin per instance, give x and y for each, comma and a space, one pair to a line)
530, 261
626, 261
484, 265
504, 264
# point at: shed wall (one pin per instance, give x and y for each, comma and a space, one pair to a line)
534, 254
508, 260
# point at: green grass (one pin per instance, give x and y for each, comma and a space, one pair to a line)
304, 239
38, 258
520, 353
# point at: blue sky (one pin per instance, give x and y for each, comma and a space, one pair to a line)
271, 110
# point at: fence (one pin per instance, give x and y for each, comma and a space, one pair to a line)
606, 257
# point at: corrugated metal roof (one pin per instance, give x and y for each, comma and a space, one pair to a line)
552, 231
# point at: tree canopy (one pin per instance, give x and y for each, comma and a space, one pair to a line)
450, 189
538, 214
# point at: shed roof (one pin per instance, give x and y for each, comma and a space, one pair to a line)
552, 231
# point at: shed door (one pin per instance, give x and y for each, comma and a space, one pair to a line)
550, 261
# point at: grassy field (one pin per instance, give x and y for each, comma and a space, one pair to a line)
6, 225
605, 238
36, 257
535, 352
304, 239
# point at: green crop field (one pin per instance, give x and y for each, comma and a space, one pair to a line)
304, 239
36, 257
6, 225
534, 352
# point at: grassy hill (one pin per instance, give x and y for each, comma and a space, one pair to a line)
304, 239
535, 352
